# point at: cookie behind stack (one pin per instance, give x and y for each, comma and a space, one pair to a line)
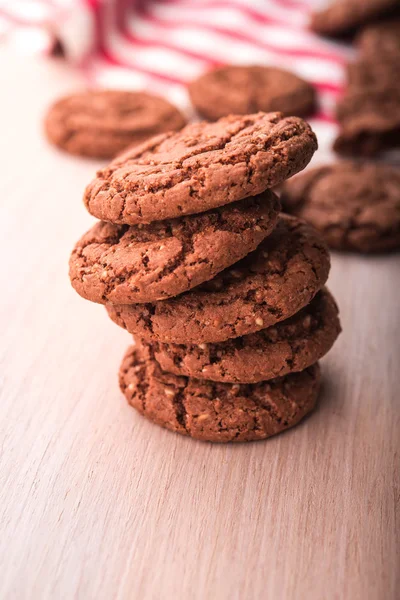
369, 111
225, 297
355, 206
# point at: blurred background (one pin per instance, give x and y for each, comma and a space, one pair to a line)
162, 45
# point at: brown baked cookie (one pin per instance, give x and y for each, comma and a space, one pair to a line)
216, 412
342, 17
247, 89
289, 346
101, 123
380, 41
203, 166
378, 74
269, 285
118, 263
369, 121
354, 206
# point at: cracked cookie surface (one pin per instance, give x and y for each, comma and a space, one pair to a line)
289, 346
203, 166
240, 90
354, 206
216, 412
275, 281
101, 123
118, 263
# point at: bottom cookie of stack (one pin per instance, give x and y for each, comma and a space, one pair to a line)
214, 411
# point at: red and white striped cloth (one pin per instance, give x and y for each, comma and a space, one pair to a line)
160, 45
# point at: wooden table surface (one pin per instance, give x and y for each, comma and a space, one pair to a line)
97, 503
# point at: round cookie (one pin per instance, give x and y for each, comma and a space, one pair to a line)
354, 206
380, 42
376, 74
369, 121
342, 17
122, 264
269, 285
101, 123
203, 166
216, 412
246, 89
289, 346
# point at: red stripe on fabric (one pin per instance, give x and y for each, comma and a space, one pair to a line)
251, 12
291, 4
296, 4
93, 3
146, 43
323, 116
327, 87
296, 51
118, 62
138, 41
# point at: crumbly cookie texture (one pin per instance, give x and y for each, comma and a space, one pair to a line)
101, 123
289, 346
118, 263
355, 206
275, 281
203, 166
216, 412
246, 89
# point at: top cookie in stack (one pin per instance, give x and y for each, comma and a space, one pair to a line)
203, 166
177, 213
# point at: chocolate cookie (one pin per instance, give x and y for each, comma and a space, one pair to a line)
343, 17
369, 121
269, 285
380, 41
118, 263
377, 74
355, 206
216, 412
289, 346
101, 123
247, 89
203, 166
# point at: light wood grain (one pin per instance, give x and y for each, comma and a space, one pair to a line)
96, 503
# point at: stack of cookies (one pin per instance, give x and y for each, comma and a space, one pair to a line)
223, 294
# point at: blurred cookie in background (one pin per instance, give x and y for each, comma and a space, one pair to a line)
380, 40
378, 59
248, 89
101, 123
344, 17
369, 120
378, 73
369, 111
355, 206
